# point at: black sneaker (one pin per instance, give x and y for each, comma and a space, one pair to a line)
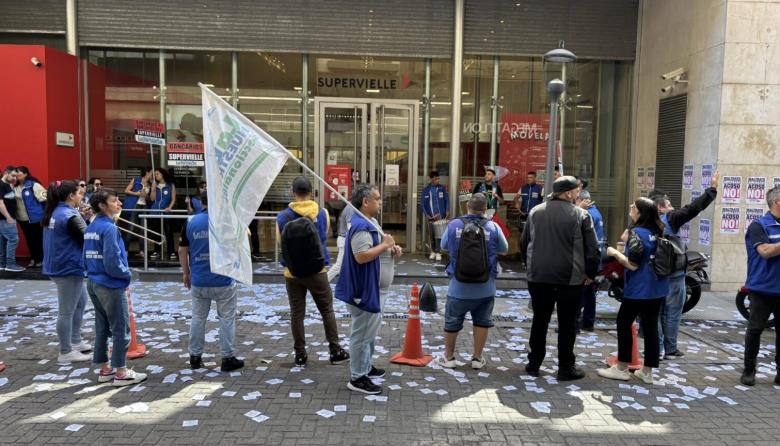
231, 363
677, 354
570, 374
364, 385
196, 362
301, 358
748, 377
339, 356
532, 370
376, 373
588, 329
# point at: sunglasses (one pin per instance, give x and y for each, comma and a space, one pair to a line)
82, 184
98, 184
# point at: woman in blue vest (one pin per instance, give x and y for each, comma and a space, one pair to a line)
136, 192
194, 205
108, 277
30, 199
163, 198
644, 292
63, 262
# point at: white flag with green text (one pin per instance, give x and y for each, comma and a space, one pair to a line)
241, 163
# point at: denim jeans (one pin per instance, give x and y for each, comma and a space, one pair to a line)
362, 338
225, 297
761, 307
112, 319
588, 305
671, 313
9, 240
71, 300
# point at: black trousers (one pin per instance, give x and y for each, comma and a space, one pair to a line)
544, 297
648, 311
33, 234
761, 307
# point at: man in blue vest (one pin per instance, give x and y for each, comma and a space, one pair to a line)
588, 304
474, 298
762, 241
674, 219
358, 286
434, 202
317, 284
207, 287
529, 196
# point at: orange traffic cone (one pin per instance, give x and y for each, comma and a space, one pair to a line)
135, 350
412, 353
636, 360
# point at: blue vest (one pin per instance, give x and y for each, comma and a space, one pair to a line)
196, 205
131, 201
453, 242
31, 204
163, 197
530, 197
105, 255
764, 274
598, 224
198, 236
62, 254
358, 284
289, 215
643, 283
434, 200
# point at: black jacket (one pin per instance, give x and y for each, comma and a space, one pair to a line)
679, 217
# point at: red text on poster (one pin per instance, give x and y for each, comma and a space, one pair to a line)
523, 148
339, 177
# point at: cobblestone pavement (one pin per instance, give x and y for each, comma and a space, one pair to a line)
696, 400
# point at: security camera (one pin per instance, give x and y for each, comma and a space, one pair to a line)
36, 62
674, 73
667, 89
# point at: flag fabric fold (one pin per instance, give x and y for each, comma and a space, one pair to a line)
242, 162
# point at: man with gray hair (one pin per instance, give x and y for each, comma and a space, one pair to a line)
473, 243
587, 315
559, 246
762, 241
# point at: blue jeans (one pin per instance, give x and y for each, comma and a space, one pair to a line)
671, 313
9, 240
362, 338
112, 319
225, 297
588, 304
71, 300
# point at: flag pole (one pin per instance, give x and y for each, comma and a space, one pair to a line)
306, 168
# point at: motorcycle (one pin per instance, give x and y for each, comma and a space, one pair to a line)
612, 274
743, 306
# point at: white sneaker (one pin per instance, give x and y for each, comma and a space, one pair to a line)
432, 256
615, 373
478, 363
647, 378
438, 257
446, 363
83, 347
131, 377
73, 356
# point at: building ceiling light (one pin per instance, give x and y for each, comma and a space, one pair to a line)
372, 90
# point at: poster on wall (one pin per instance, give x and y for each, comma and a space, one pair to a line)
776, 182
756, 190
705, 232
729, 221
392, 174
732, 189
184, 123
695, 194
650, 178
186, 154
751, 215
688, 176
523, 147
339, 176
640, 180
706, 175
685, 232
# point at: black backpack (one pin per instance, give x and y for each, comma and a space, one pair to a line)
301, 247
669, 255
472, 263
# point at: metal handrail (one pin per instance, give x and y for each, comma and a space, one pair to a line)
145, 218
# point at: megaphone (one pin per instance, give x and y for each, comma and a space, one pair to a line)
427, 298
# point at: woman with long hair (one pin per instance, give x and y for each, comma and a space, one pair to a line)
63, 262
194, 204
30, 199
644, 292
108, 277
163, 199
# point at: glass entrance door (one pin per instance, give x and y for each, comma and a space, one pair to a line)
344, 157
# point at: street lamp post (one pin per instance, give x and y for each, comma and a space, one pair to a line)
555, 88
